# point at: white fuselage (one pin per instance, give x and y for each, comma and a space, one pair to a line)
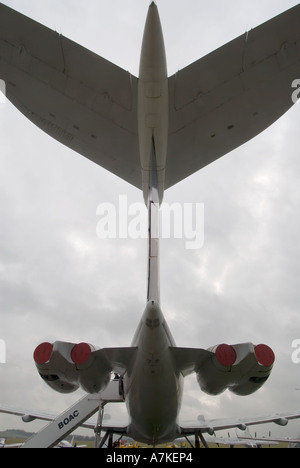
153, 387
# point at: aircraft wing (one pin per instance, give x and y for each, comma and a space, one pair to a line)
231, 95
32, 415
80, 99
210, 427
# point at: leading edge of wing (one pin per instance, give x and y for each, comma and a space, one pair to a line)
211, 426
231, 95
77, 97
32, 415
27, 415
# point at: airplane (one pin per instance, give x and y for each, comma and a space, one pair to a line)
4, 445
153, 131
235, 441
62, 444
246, 436
65, 444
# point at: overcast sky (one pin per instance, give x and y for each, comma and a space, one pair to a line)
59, 281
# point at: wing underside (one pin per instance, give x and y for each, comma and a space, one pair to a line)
202, 426
281, 419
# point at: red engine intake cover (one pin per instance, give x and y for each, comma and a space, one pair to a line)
264, 355
43, 353
226, 355
81, 353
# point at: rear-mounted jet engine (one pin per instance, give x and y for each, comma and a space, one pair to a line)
242, 368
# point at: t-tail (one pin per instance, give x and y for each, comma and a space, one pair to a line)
153, 285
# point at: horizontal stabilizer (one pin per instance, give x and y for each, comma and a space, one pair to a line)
188, 360
90, 105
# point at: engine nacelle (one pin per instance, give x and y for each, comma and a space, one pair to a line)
66, 366
242, 368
